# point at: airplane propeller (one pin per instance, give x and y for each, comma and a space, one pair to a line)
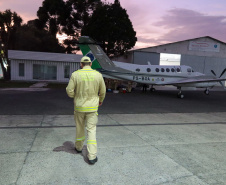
213, 72
222, 73
220, 76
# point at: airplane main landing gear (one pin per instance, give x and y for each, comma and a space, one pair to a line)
180, 95
207, 92
152, 89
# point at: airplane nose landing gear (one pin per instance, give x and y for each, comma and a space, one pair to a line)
180, 95
207, 92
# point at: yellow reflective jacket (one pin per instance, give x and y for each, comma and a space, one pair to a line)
87, 87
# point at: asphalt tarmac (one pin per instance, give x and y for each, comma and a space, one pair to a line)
143, 138
164, 100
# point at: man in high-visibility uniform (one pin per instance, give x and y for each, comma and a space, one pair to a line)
88, 89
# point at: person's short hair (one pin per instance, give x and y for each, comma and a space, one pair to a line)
85, 59
86, 63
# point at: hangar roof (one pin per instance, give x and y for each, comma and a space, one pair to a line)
43, 56
179, 42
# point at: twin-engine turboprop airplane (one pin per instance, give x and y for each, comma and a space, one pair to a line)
179, 76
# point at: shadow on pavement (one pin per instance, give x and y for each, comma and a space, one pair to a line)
69, 147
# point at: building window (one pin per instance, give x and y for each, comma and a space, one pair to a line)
44, 72
66, 71
148, 70
157, 70
21, 69
162, 70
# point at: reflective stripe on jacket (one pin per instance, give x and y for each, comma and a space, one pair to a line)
84, 86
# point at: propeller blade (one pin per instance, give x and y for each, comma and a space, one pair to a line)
221, 83
222, 73
213, 73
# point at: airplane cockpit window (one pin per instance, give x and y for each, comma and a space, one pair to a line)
138, 70
167, 70
162, 70
178, 70
148, 70
173, 70
189, 70
157, 70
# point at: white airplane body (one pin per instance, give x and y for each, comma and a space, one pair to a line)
166, 74
179, 76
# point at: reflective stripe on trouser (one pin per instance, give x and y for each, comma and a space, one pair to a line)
90, 118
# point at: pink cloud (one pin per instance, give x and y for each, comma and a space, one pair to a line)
181, 24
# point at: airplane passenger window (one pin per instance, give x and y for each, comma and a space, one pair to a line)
167, 70
189, 70
138, 70
173, 70
162, 70
178, 70
148, 70
157, 69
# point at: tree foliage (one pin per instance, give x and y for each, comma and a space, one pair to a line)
37, 40
110, 25
68, 17
53, 14
9, 23
81, 11
107, 23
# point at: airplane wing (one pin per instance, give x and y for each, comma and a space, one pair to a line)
198, 79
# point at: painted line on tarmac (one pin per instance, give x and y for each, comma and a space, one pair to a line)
120, 125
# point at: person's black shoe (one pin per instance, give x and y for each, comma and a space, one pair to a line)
78, 151
93, 161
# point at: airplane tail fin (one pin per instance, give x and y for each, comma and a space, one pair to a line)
99, 59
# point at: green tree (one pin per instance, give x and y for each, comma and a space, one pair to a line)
110, 25
69, 16
81, 11
52, 15
29, 38
9, 23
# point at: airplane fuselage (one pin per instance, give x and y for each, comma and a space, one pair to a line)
159, 75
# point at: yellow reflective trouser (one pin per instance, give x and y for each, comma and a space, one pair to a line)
88, 119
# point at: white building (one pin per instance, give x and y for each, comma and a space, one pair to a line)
41, 66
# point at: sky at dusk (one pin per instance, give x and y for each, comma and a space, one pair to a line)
155, 21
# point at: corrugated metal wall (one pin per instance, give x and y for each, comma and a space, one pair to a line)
196, 62
204, 64
144, 57
28, 71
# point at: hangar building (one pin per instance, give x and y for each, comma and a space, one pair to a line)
203, 54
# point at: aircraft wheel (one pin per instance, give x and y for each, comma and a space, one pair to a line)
207, 92
152, 89
181, 96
